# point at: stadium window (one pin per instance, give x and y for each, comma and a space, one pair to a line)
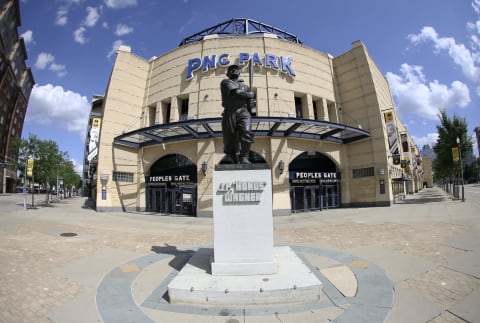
122, 177
166, 107
298, 107
363, 172
184, 109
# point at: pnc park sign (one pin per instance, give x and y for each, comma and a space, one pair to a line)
280, 63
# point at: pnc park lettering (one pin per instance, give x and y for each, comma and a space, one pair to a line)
281, 63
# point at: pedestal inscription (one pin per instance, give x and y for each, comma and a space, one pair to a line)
243, 224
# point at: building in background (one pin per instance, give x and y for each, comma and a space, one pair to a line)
91, 146
16, 82
326, 126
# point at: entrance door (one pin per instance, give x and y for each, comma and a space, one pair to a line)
314, 182
318, 197
172, 186
172, 200
330, 196
297, 198
305, 198
312, 198
156, 199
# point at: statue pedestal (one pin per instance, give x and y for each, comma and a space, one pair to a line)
243, 224
244, 268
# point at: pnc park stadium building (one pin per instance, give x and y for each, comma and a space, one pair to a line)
326, 126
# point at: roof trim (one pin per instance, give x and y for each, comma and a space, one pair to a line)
261, 127
240, 26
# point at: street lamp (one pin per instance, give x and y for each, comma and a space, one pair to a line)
461, 168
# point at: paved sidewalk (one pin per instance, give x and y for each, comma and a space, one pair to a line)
56, 258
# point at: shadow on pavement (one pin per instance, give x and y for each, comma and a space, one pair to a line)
425, 196
181, 256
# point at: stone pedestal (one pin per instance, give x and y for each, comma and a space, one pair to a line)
243, 224
244, 268
293, 283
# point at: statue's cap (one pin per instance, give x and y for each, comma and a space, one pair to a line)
232, 67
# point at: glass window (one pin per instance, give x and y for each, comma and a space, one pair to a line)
184, 109
298, 107
363, 172
122, 177
166, 107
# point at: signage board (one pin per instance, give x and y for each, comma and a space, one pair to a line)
211, 62
30, 167
312, 177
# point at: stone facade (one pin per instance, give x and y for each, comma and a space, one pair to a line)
348, 89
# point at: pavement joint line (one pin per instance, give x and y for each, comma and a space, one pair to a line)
373, 300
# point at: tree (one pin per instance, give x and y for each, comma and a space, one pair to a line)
448, 132
49, 162
67, 173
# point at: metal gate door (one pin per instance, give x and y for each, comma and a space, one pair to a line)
172, 200
312, 198
305, 198
318, 197
297, 198
330, 196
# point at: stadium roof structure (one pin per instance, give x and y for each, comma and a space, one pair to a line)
260, 126
240, 26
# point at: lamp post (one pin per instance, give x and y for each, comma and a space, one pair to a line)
461, 168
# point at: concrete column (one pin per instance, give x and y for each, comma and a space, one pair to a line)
323, 110
174, 115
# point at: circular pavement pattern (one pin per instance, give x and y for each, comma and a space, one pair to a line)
372, 302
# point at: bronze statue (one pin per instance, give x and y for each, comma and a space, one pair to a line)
237, 99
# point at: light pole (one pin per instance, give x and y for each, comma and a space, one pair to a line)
461, 168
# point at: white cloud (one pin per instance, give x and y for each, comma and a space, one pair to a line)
122, 29
93, 14
47, 60
50, 104
27, 37
476, 6
120, 3
459, 53
43, 60
63, 10
62, 17
430, 139
59, 69
77, 166
116, 44
417, 96
79, 35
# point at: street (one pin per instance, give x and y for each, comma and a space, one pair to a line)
55, 257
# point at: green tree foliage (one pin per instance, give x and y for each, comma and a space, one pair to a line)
49, 164
448, 132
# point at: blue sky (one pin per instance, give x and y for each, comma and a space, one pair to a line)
429, 50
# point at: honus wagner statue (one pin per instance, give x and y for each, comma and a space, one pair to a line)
238, 102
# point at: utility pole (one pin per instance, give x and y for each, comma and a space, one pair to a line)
461, 169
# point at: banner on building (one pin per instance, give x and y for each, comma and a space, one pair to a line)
414, 158
30, 167
391, 132
94, 137
455, 154
405, 145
